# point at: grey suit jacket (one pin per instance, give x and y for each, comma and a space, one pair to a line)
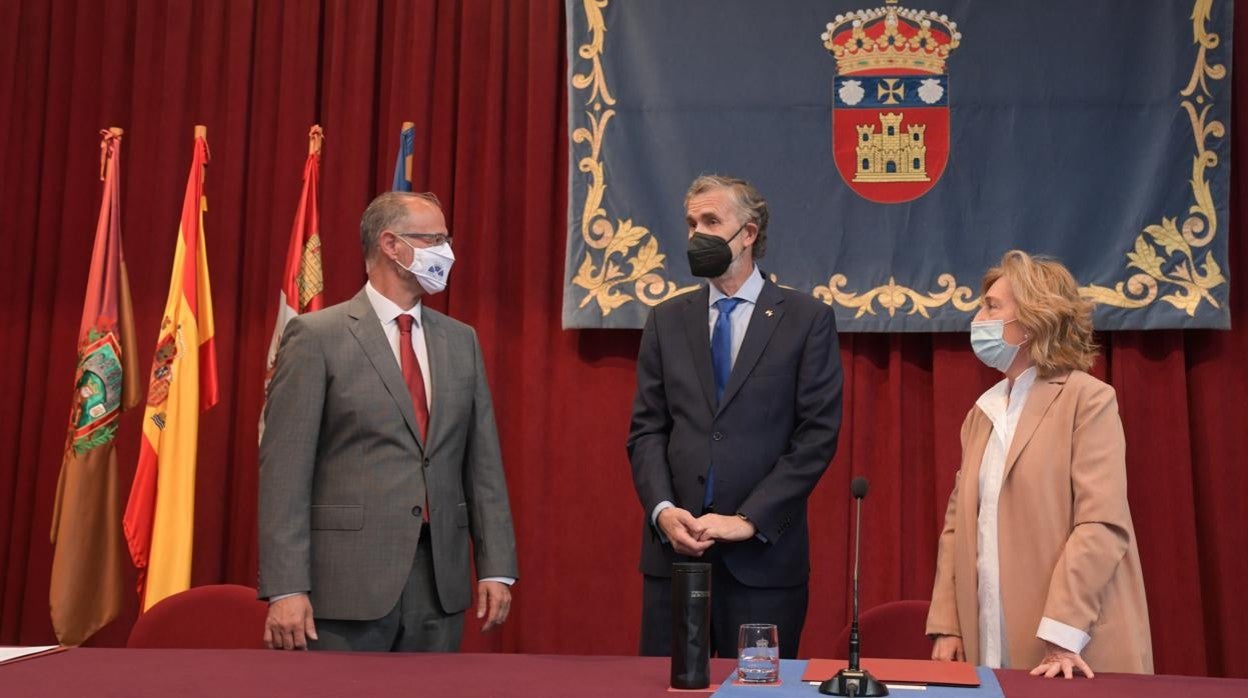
344, 474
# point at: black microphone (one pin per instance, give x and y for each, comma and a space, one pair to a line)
852, 680
858, 488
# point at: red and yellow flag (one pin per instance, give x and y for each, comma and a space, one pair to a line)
160, 515
88, 564
303, 286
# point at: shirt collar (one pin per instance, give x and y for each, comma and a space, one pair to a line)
748, 292
387, 310
1022, 384
996, 399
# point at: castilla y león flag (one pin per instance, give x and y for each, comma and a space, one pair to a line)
303, 285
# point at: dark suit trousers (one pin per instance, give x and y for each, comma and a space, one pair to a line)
732, 605
415, 624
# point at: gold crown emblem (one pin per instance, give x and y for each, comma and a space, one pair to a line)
891, 37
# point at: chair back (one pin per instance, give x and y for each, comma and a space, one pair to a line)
895, 630
216, 616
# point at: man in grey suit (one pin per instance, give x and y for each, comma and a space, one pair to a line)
380, 460
736, 416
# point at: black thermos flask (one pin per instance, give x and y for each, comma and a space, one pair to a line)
691, 625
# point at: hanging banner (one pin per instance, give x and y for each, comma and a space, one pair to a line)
902, 150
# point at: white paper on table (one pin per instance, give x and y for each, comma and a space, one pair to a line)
8, 654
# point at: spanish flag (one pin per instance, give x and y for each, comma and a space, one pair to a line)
303, 286
160, 515
88, 565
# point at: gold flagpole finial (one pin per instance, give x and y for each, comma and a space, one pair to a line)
201, 131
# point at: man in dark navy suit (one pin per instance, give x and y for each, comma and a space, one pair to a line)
736, 417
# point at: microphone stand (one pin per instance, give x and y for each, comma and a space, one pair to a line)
852, 680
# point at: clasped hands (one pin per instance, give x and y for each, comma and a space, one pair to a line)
692, 536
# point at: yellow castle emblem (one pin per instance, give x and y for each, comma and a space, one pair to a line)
890, 155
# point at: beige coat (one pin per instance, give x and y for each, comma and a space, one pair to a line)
1067, 546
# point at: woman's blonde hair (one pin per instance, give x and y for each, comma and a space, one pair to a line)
1058, 321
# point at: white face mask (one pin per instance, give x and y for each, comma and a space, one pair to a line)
988, 341
430, 265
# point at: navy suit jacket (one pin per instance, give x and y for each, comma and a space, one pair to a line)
770, 437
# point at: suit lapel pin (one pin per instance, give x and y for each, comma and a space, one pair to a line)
769, 312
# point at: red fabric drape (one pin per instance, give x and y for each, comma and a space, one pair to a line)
485, 83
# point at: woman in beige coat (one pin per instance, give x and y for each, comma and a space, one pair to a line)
1037, 565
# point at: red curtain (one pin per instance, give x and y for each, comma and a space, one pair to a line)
485, 83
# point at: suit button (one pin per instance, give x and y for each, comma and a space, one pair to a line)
717, 436
416, 511
701, 480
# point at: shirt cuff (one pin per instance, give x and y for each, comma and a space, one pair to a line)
1067, 637
654, 517
279, 597
504, 580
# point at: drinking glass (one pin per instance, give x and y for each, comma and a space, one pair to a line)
758, 653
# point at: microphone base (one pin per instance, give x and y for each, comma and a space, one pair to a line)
855, 682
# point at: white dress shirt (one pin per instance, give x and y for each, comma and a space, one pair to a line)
1003, 406
740, 321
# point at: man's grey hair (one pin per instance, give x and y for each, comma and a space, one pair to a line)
386, 212
750, 204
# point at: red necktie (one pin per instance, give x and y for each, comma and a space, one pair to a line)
415, 387
411, 374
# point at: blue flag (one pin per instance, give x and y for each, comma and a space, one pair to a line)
903, 149
403, 161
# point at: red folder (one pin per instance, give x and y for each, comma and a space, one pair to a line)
923, 671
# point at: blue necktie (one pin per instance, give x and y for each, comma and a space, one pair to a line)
721, 365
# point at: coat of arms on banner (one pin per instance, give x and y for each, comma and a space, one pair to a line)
98, 402
890, 115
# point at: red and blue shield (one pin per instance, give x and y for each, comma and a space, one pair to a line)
890, 114
890, 133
